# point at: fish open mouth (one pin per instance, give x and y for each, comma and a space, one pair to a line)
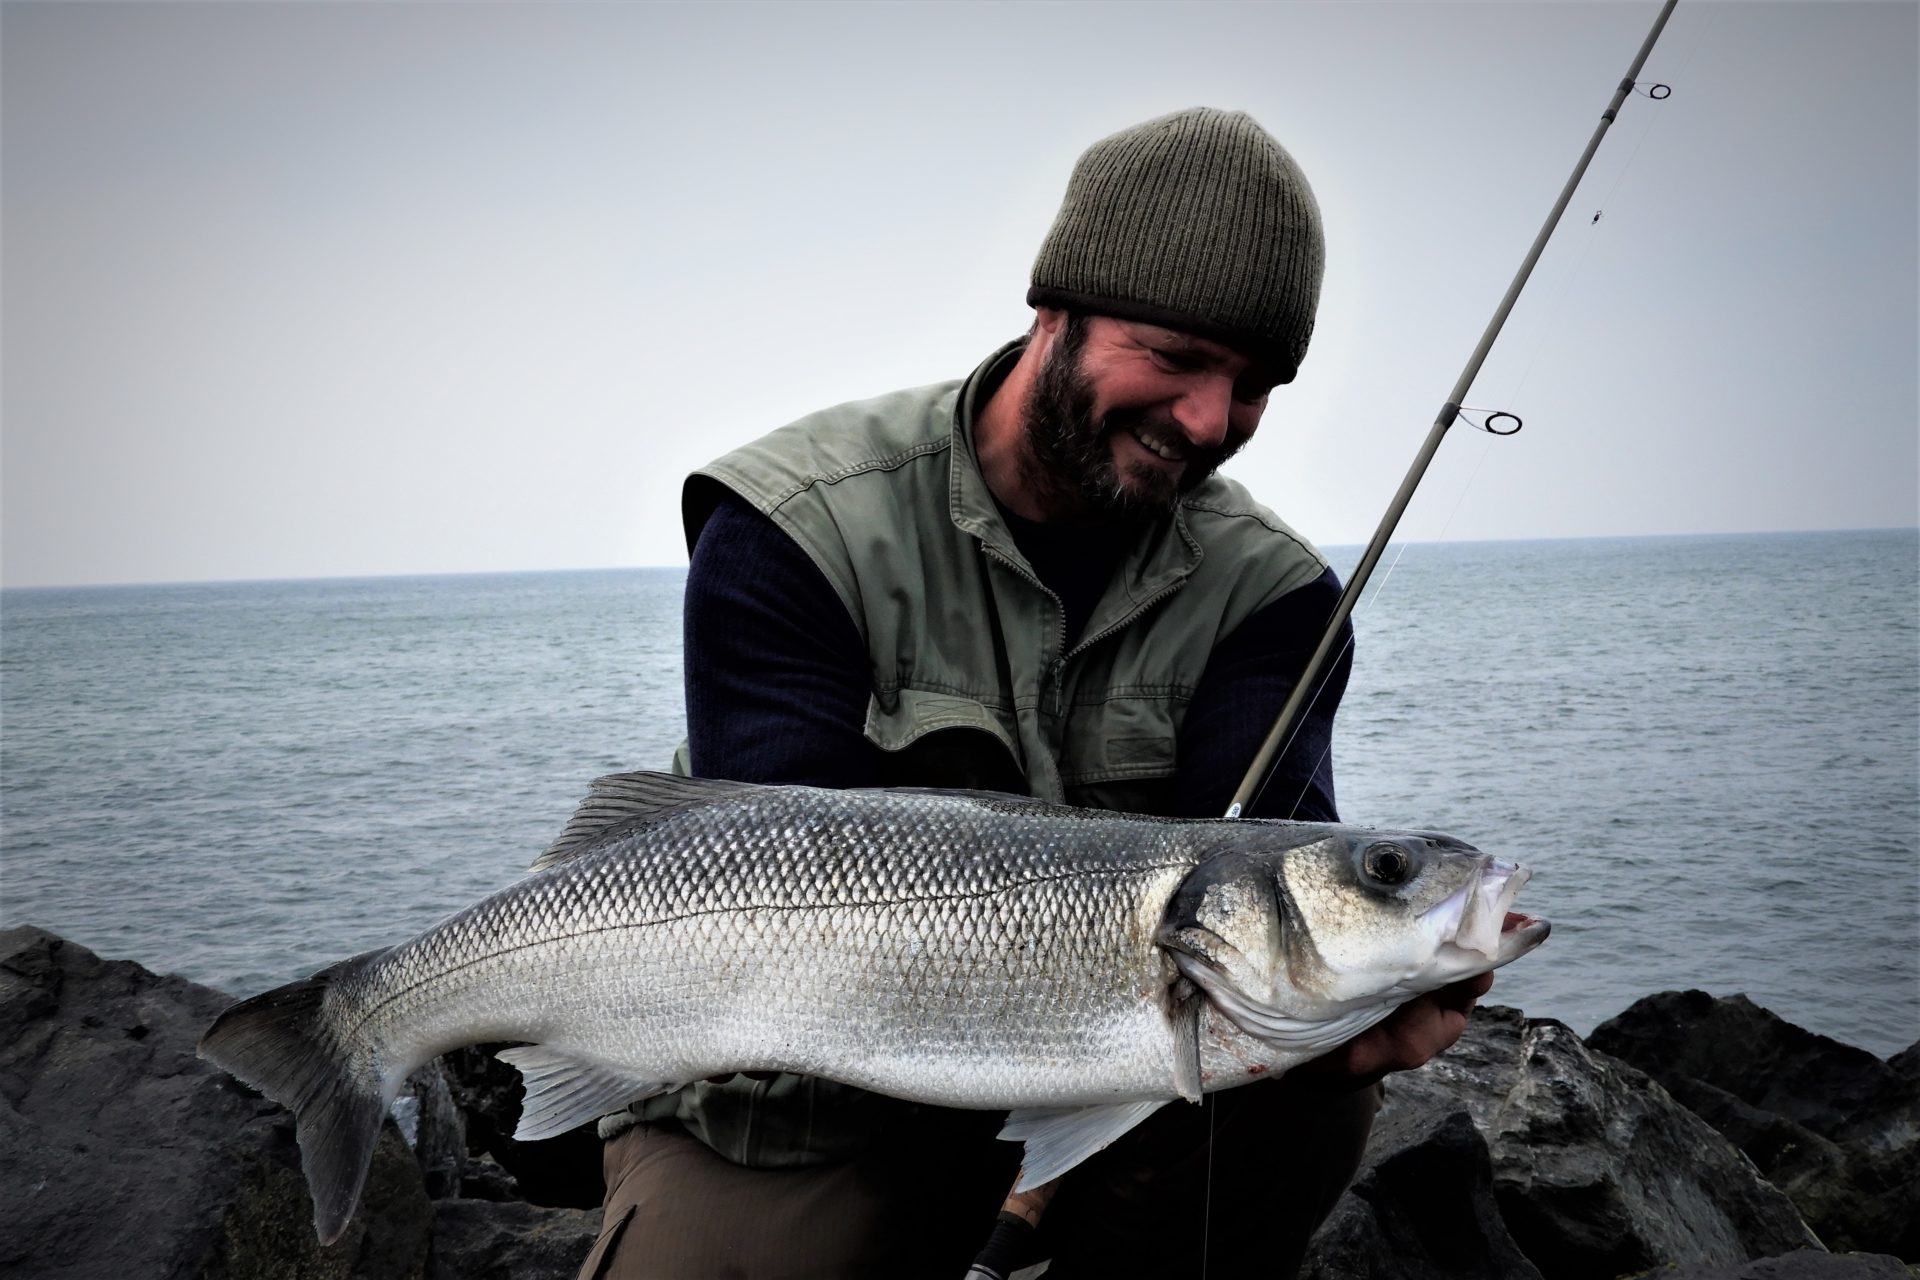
1523, 932
1482, 916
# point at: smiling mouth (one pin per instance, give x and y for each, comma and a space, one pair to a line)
1162, 449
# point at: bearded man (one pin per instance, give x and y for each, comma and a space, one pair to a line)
1029, 580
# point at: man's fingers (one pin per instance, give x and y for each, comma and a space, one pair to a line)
1461, 996
1413, 1035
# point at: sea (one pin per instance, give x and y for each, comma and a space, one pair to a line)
1706, 748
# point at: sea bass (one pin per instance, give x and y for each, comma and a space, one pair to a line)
1075, 967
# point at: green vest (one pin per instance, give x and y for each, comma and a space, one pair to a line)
974, 683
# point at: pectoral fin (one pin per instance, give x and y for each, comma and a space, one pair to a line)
1185, 1003
564, 1092
1058, 1138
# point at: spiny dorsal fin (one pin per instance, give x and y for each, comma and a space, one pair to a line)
631, 797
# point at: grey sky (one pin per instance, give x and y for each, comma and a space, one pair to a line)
339, 289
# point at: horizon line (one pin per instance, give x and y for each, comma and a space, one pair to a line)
1327, 549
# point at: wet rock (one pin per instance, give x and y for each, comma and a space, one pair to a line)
1831, 1125
1421, 1208
1803, 1264
124, 1155
486, 1180
493, 1240
434, 1128
1597, 1171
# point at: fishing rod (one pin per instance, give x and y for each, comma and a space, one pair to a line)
1498, 423
1022, 1211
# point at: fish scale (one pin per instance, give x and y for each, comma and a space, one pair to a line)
908, 951
1077, 967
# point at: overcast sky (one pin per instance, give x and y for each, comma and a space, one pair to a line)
296, 290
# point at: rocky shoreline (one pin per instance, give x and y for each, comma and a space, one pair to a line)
1691, 1136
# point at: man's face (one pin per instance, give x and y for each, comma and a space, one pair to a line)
1126, 417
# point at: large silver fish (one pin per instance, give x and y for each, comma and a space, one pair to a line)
1076, 967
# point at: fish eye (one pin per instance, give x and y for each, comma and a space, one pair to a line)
1386, 863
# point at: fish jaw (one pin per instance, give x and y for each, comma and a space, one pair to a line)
1475, 929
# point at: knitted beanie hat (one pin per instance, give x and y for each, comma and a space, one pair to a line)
1198, 221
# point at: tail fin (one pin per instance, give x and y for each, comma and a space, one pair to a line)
282, 1044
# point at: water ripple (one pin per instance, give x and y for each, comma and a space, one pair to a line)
1707, 749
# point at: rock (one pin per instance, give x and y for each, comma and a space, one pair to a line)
1803, 1264
124, 1155
562, 1171
488, 1240
1421, 1208
486, 1180
435, 1128
1833, 1126
1597, 1171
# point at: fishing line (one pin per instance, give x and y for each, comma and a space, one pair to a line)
1552, 315
1367, 606
1307, 686
1206, 1211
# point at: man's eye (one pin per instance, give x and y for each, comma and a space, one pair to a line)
1176, 361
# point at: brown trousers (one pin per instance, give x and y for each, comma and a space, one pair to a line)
1158, 1201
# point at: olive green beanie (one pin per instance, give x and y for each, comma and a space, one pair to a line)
1198, 221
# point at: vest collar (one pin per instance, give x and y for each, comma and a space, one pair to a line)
1162, 553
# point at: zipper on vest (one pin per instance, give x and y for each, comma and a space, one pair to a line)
1087, 642
1057, 665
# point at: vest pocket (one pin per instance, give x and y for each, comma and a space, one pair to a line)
932, 739
1125, 736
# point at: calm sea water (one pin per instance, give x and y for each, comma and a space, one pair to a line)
1708, 749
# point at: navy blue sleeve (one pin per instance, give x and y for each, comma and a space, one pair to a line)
1246, 682
777, 674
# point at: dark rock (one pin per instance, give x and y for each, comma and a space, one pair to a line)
1421, 1208
1836, 1090
1804, 1264
1905, 1065
486, 1180
1597, 1171
124, 1155
435, 1128
1833, 1126
562, 1171
486, 1240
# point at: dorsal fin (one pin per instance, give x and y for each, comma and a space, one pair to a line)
632, 797
999, 799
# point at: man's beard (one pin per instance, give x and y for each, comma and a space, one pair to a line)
1069, 455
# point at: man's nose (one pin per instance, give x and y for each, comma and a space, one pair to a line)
1204, 411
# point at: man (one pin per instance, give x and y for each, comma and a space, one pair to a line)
1030, 580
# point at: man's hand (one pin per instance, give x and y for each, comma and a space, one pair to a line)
1414, 1033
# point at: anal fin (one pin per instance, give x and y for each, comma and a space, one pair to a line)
564, 1092
1058, 1138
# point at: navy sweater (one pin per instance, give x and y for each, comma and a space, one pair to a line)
778, 678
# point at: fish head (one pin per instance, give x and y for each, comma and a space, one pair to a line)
1336, 926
